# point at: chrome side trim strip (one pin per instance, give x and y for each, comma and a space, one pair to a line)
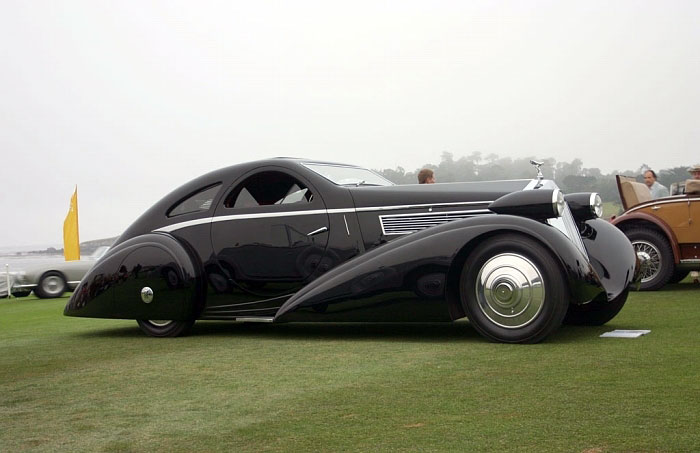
680, 199
690, 261
228, 306
177, 226
262, 215
265, 215
250, 319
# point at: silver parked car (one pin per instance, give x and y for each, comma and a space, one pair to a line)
50, 280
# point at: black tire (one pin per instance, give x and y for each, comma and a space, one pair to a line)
155, 328
596, 312
52, 284
678, 276
512, 272
660, 268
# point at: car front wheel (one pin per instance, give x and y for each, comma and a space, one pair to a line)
164, 328
512, 290
659, 266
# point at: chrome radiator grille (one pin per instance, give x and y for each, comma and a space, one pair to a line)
567, 225
410, 223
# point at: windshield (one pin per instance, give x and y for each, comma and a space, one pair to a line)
348, 176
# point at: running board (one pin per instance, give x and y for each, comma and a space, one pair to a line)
252, 319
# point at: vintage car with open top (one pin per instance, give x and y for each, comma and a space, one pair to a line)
665, 231
295, 240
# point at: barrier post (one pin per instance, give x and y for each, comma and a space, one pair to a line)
7, 276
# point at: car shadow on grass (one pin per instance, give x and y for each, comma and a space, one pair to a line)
438, 332
460, 331
685, 286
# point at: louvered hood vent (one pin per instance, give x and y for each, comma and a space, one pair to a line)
410, 223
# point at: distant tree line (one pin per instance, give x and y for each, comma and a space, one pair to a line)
86, 248
570, 176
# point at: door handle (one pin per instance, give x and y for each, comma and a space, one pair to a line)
655, 208
319, 231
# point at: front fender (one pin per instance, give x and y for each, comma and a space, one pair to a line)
112, 288
431, 255
611, 254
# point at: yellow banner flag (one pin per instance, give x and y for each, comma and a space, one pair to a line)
71, 241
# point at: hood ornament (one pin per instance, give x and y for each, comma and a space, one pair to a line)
537, 165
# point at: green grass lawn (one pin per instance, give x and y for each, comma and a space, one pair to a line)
611, 208
74, 384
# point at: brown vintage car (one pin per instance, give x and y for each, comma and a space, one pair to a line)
666, 231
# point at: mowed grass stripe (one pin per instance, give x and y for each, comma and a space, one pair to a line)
76, 384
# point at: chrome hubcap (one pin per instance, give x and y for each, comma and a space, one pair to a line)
160, 322
52, 284
510, 290
146, 295
651, 258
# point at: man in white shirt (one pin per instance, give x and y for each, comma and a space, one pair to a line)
657, 190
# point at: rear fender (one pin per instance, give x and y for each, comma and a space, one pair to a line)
113, 287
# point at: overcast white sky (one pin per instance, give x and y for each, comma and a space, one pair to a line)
129, 99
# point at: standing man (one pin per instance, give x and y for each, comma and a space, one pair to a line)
426, 176
656, 189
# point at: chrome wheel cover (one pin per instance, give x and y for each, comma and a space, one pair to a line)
652, 265
160, 322
510, 290
53, 284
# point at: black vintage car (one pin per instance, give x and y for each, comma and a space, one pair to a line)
288, 240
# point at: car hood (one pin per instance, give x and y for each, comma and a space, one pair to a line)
487, 191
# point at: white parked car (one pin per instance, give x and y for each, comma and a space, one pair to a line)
49, 280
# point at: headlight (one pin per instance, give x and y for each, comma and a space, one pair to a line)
558, 202
536, 204
597, 204
585, 205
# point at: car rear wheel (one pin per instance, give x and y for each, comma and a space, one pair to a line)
51, 285
512, 290
596, 312
659, 266
164, 328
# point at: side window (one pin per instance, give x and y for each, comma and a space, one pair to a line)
200, 201
268, 188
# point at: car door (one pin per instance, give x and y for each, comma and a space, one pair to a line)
270, 232
691, 235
